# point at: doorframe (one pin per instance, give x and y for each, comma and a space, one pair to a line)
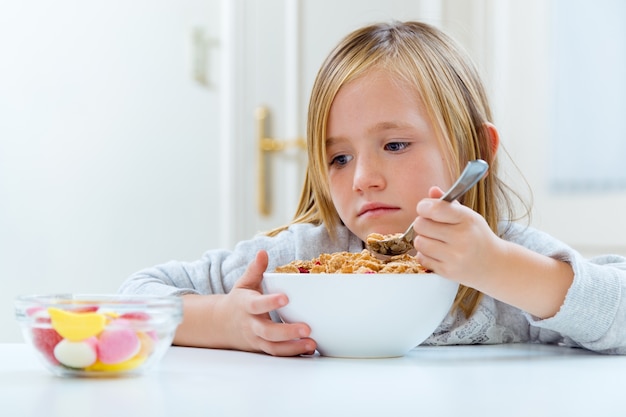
231, 40
236, 119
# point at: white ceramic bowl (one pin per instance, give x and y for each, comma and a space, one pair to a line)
364, 315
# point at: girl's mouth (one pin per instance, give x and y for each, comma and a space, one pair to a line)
376, 209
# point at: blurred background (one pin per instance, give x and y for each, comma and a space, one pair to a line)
129, 130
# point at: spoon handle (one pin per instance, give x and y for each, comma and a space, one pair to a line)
473, 172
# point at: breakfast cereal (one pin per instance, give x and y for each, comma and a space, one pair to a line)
388, 244
354, 263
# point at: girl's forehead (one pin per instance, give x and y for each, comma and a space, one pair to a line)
376, 82
377, 89
379, 74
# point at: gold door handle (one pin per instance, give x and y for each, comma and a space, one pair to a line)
266, 146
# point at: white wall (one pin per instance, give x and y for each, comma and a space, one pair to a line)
526, 90
512, 42
107, 161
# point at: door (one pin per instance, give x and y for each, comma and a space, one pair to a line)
272, 53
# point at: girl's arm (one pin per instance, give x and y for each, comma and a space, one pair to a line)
456, 242
240, 320
217, 316
530, 281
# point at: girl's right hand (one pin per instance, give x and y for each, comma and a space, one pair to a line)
246, 310
240, 320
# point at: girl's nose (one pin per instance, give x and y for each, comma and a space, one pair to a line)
368, 174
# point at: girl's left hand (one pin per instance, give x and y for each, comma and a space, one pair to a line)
457, 243
453, 240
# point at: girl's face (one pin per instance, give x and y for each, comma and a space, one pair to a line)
383, 154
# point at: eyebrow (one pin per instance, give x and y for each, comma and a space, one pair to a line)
389, 125
378, 127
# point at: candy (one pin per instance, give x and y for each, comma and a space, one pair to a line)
140, 316
117, 345
93, 340
36, 311
145, 349
100, 336
147, 343
134, 362
136, 315
76, 326
77, 354
45, 341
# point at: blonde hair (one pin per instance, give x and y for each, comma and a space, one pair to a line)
449, 86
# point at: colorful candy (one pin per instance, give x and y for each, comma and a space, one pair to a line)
118, 345
89, 340
45, 341
75, 354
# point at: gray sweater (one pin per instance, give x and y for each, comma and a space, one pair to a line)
593, 315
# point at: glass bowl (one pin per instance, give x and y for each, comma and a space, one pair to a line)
98, 335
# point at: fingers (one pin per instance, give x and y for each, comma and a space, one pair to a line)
254, 273
435, 192
449, 237
429, 252
279, 332
442, 228
264, 303
258, 332
438, 224
283, 339
293, 347
441, 211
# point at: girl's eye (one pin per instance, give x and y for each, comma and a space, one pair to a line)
340, 160
396, 146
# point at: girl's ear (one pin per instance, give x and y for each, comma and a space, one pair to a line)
494, 137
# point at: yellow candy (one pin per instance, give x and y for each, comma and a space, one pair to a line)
76, 326
111, 314
133, 362
147, 344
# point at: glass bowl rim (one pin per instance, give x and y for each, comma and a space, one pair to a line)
170, 303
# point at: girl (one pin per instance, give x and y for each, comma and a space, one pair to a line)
396, 111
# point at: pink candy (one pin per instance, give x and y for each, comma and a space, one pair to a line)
45, 340
118, 345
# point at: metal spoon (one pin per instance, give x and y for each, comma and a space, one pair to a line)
398, 244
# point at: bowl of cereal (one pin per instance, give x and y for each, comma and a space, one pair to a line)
359, 306
98, 335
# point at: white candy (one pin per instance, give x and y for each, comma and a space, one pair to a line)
76, 354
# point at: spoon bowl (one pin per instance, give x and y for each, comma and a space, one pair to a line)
399, 243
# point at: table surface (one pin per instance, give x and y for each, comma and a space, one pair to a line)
500, 380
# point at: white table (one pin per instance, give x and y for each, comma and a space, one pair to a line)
505, 380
